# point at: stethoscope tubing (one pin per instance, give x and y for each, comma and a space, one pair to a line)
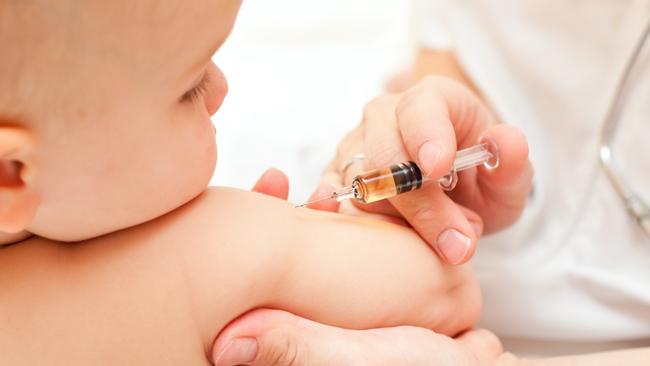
635, 205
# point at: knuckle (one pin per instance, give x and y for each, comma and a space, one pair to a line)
417, 100
347, 146
424, 218
490, 341
370, 109
438, 82
404, 108
431, 80
382, 154
483, 343
424, 215
377, 106
282, 350
431, 84
419, 109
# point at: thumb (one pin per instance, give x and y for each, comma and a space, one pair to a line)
278, 338
483, 344
451, 230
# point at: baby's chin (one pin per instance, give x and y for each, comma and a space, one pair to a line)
146, 206
189, 186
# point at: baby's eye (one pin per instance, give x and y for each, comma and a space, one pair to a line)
197, 91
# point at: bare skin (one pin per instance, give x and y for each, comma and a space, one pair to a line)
156, 294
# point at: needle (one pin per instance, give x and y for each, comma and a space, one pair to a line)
316, 201
340, 195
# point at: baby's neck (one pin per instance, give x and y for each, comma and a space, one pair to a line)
6, 239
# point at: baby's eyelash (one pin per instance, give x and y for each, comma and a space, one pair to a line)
197, 91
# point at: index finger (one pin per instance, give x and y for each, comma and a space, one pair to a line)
435, 118
438, 220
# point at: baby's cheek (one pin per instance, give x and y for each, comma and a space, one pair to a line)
196, 163
211, 159
192, 150
204, 145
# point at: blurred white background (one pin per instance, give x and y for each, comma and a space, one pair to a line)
300, 72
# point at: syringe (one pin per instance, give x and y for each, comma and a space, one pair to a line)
396, 179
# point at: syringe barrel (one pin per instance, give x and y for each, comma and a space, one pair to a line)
383, 183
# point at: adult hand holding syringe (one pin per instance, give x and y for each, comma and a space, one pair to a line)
400, 178
427, 124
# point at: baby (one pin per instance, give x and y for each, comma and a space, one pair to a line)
115, 252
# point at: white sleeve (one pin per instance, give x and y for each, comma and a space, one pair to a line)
430, 25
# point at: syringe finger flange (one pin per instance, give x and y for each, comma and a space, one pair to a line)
448, 181
493, 149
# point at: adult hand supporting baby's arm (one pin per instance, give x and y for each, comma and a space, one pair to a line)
277, 338
427, 124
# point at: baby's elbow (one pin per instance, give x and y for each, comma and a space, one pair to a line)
466, 304
456, 305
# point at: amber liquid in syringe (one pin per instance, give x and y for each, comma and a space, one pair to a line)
387, 182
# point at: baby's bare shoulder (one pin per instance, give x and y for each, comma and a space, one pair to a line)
229, 205
204, 263
231, 226
227, 240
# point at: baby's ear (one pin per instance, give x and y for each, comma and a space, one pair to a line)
18, 199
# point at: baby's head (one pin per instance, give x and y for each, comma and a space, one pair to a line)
105, 111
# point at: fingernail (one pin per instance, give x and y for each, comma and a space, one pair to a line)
453, 245
428, 156
239, 352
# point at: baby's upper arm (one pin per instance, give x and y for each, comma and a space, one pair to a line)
341, 270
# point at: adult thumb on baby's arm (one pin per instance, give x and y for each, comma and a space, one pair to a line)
277, 338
